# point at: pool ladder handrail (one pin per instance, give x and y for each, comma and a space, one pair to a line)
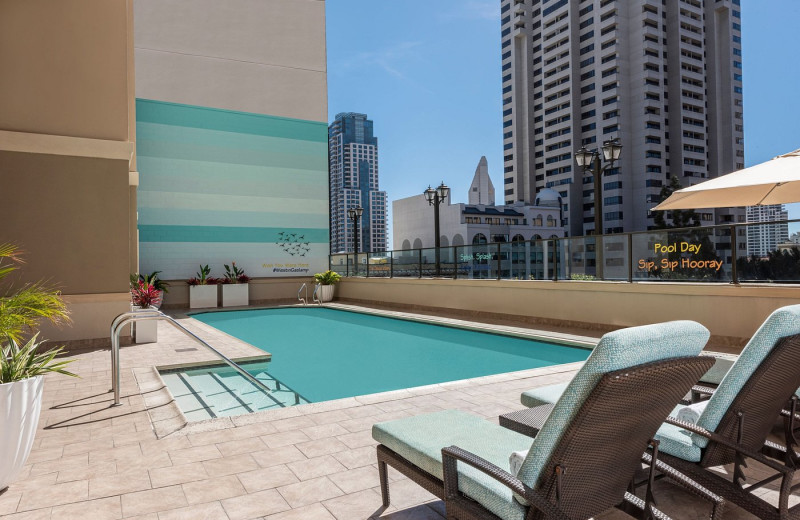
304, 300
156, 315
314, 295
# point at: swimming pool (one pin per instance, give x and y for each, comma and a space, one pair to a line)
324, 354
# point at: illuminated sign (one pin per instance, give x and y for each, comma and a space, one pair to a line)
672, 264
476, 256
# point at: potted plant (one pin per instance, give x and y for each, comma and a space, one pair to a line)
151, 279
202, 289
22, 368
235, 287
145, 296
325, 284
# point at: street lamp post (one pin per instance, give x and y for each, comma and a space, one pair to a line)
590, 162
355, 216
434, 198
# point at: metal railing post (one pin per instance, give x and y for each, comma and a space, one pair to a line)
391, 264
555, 259
420, 263
347, 265
455, 262
630, 258
499, 263
367, 265
734, 247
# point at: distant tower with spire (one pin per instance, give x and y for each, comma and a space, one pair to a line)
481, 191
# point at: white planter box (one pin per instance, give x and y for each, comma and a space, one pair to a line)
235, 295
20, 405
145, 331
325, 292
202, 296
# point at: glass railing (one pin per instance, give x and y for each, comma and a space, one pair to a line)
728, 253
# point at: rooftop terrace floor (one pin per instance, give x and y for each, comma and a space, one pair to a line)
314, 461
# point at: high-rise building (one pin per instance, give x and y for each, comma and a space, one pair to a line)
353, 167
765, 238
663, 76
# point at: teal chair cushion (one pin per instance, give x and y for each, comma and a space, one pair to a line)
543, 395
420, 439
615, 351
678, 442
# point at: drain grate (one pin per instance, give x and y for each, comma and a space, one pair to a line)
185, 349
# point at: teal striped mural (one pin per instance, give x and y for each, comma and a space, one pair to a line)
217, 186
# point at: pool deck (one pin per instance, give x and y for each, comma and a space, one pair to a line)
317, 461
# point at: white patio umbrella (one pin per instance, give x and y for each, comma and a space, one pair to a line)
773, 182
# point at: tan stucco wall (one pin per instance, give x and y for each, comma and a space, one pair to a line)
64, 67
728, 311
70, 216
67, 130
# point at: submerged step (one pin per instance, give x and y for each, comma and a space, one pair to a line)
219, 391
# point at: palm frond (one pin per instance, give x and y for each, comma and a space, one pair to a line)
18, 362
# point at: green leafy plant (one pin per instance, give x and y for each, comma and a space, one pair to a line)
19, 362
151, 279
22, 307
581, 276
235, 274
202, 278
327, 278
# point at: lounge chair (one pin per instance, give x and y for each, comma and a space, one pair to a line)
735, 422
587, 451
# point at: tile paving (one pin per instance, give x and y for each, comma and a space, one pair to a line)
315, 461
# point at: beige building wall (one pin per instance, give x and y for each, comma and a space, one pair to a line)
732, 313
67, 132
258, 56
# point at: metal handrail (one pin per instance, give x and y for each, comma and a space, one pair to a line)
314, 295
151, 314
304, 300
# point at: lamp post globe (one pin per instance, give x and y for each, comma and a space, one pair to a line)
442, 191
430, 195
584, 157
612, 149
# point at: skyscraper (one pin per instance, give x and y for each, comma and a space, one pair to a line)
663, 76
353, 165
764, 238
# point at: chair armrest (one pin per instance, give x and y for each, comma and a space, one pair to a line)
453, 454
727, 443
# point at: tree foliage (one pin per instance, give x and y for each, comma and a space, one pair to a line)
678, 218
776, 266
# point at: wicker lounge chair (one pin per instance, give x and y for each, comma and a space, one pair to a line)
589, 448
737, 419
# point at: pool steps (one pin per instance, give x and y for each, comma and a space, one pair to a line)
208, 393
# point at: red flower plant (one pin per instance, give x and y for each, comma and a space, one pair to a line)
145, 295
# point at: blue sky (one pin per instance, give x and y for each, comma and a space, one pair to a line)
427, 72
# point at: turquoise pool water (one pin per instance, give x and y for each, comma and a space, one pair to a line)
324, 354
